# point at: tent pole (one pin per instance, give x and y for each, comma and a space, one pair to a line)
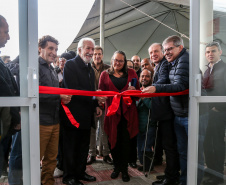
102, 14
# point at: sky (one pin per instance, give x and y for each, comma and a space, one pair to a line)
61, 19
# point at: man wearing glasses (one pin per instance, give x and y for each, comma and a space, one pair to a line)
178, 59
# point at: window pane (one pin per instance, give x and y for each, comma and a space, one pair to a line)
211, 151
10, 146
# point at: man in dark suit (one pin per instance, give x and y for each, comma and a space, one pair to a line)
214, 81
178, 60
163, 113
9, 116
78, 74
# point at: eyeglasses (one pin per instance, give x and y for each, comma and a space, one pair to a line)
119, 61
169, 49
62, 59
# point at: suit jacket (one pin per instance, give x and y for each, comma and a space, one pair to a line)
215, 83
160, 106
78, 75
8, 87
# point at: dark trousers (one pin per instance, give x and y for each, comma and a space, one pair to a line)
75, 149
133, 150
169, 144
158, 150
214, 145
120, 153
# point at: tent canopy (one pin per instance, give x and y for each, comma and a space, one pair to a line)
132, 30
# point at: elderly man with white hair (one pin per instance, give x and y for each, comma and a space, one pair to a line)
78, 74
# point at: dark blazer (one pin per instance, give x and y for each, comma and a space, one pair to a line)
78, 75
8, 87
160, 106
215, 83
179, 81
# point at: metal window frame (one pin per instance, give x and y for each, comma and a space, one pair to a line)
29, 97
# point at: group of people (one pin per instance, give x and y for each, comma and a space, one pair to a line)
135, 128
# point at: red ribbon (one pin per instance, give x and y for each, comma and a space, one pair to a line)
126, 95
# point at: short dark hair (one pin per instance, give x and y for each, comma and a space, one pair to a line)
2, 20
124, 69
72, 53
67, 56
177, 41
42, 42
214, 44
99, 48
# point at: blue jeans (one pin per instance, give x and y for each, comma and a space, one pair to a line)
181, 130
15, 162
141, 142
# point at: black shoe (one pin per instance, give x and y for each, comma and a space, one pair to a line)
107, 159
72, 182
91, 159
88, 178
160, 177
133, 165
165, 182
125, 177
115, 174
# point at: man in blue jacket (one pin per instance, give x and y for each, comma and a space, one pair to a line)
163, 113
178, 59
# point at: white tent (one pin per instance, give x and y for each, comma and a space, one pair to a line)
129, 25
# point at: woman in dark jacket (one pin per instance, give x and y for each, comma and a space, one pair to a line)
122, 126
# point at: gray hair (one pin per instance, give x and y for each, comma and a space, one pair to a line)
81, 43
177, 41
214, 44
159, 44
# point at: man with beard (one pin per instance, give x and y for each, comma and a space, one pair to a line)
145, 120
146, 64
79, 75
136, 60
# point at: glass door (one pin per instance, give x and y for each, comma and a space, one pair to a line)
207, 113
